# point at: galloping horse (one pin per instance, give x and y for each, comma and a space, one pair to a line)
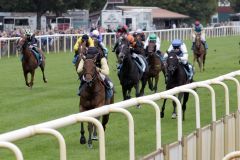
82, 50
129, 74
176, 77
92, 96
199, 53
29, 61
155, 66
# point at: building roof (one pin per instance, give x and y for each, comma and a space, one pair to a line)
157, 12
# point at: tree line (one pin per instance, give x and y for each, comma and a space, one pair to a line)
201, 10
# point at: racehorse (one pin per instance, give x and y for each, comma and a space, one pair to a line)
82, 50
92, 96
176, 77
199, 52
155, 66
129, 74
29, 61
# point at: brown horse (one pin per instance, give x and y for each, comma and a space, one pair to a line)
82, 50
92, 96
29, 61
199, 53
155, 66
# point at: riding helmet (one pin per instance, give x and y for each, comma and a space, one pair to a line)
95, 33
152, 37
85, 37
176, 43
92, 50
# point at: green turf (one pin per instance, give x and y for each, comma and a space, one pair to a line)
21, 107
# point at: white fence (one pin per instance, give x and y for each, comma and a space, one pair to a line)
211, 142
65, 42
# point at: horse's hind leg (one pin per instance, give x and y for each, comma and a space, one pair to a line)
95, 132
82, 138
90, 130
150, 84
42, 66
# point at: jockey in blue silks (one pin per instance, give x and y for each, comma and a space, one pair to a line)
95, 33
32, 42
182, 54
198, 29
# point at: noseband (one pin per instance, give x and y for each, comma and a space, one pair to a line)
88, 76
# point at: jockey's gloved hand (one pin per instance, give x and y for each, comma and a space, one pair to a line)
158, 52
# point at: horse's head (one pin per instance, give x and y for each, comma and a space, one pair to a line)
151, 49
82, 50
21, 43
123, 50
172, 62
89, 70
198, 40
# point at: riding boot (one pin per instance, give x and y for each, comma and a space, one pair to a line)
205, 44
193, 45
109, 88
75, 58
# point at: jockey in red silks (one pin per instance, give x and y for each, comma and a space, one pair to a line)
198, 29
121, 31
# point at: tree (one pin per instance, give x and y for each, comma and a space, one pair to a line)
235, 4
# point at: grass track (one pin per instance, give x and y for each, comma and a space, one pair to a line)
21, 107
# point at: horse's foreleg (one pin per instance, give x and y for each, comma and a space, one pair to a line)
150, 84
26, 79
82, 138
105, 119
156, 83
32, 78
90, 130
137, 93
184, 105
163, 108
42, 66
144, 82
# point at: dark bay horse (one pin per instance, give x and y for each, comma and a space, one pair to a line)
176, 77
199, 53
155, 66
129, 74
29, 61
82, 50
92, 96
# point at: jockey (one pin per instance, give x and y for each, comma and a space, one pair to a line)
141, 33
155, 39
140, 60
102, 68
90, 43
122, 30
198, 29
32, 42
180, 47
95, 34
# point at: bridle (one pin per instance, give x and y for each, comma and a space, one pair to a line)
89, 77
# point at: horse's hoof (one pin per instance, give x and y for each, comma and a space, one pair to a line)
90, 146
138, 106
174, 116
82, 140
162, 114
95, 138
